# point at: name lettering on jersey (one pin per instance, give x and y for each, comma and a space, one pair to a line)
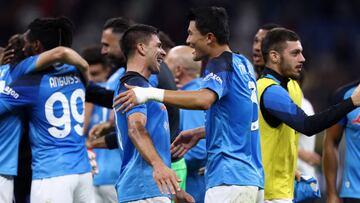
64, 80
9, 91
357, 120
212, 76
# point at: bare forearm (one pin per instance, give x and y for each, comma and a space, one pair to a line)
143, 143
330, 167
201, 99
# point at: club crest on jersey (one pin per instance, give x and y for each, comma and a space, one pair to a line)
212, 76
357, 120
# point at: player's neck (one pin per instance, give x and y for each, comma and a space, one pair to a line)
138, 66
216, 50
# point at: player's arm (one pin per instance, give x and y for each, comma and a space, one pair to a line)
62, 55
285, 110
330, 159
164, 177
185, 141
199, 99
99, 95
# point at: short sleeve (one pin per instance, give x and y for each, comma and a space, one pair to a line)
26, 66
216, 78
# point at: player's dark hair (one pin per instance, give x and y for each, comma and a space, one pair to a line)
276, 40
51, 32
93, 55
166, 41
212, 20
16, 42
269, 26
134, 35
118, 25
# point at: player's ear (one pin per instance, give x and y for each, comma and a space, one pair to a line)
37, 46
210, 38
274, 56
141, 48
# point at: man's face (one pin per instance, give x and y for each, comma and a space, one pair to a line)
28, 46
98, 72
292, 60
256, 55
110, 47
154, 54
197, 41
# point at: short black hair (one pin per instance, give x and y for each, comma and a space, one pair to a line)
276, 40
166, 41
269, 26
134, 35
52, 32
93, 55
212, 19
118, 25
16, 42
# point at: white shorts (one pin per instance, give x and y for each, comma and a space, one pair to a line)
7, 189
105, 194
75, 188
153, 200
232, 194
279, 201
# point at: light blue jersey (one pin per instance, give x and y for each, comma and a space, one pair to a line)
55, 102
136, 179
350, 186
196, 157
11, 123
231, 126
109, 161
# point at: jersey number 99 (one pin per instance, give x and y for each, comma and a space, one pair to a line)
62, 125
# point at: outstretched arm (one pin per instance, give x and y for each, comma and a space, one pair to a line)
199, 99
285, 110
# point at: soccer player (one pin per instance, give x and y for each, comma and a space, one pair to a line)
55, 100
233, 169
281, 117
257, 57
144, 131
349, 126
186, 72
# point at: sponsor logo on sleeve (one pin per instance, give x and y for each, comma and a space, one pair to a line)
212, 76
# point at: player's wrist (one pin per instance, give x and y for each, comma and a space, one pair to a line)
145, 94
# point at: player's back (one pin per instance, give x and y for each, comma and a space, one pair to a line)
56, 100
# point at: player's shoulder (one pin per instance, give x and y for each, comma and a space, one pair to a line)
220, 63
342, 91
135, 79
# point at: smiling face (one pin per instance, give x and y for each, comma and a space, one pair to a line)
154, 54
110, 46
197, 41
292, 60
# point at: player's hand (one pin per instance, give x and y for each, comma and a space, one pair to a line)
166, 179
333, 198
100, 130
355, 97
183, 197
310, 157
183, 143
93, 163
128, 99
8, 56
